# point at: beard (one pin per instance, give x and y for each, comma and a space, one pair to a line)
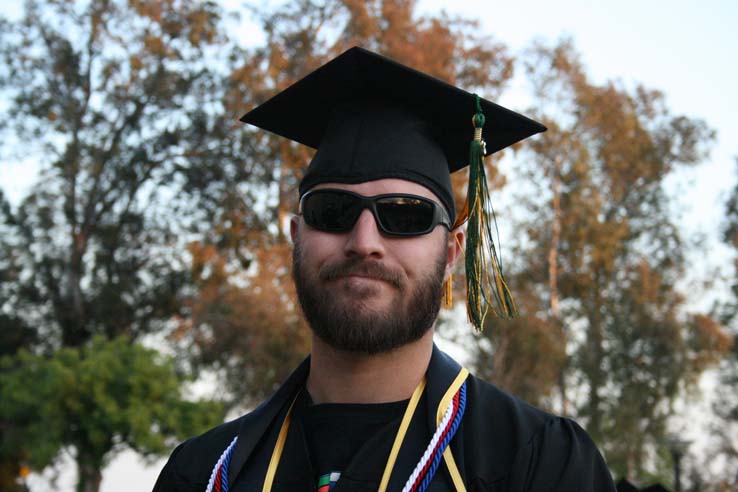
353, 326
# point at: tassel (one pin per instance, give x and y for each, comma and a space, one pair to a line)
485, 282
448, 293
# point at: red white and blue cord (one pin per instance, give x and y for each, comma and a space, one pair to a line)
219, 477
426, 468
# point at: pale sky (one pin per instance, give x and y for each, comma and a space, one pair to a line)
687, 49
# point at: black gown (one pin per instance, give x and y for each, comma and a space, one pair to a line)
502, 445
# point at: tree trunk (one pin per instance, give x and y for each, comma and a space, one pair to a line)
595, 372
9, 472
284, 191
553, 250
553, 273
89, 476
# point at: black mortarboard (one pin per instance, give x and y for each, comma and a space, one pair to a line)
372, 118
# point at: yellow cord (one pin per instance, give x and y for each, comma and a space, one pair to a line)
409, 412
453, 470
277, 451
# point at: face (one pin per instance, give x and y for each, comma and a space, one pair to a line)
364, 291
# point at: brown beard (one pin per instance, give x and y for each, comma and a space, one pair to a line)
346, 327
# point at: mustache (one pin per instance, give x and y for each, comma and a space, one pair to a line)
357, 266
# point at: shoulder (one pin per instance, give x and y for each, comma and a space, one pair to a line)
191, 463
563, 454
492, 410
509, 440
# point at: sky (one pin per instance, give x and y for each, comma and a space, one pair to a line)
683, 48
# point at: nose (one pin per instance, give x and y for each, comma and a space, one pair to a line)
365, 240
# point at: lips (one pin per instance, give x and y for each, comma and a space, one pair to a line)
367, 277
368, 270
362, 279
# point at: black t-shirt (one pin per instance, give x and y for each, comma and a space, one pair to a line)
335, 432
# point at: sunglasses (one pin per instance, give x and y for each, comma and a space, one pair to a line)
396, 214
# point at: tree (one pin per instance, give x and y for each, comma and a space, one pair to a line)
523, 355
115, 100
246, 328
601, 254
119, 103
98, 400
726, 404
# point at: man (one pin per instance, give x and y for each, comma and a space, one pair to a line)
377, 406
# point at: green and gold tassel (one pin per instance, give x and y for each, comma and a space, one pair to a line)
485, 282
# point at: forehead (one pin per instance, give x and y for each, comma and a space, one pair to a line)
383, 186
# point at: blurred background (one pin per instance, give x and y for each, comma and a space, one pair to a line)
145, 290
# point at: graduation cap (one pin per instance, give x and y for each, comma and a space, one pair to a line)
370, 117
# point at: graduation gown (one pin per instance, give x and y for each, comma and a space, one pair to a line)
502, 445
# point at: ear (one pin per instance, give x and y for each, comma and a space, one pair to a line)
454, 249
294, 225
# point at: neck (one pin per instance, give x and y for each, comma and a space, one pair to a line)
347, 377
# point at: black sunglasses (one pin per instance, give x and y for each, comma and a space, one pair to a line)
396, 214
